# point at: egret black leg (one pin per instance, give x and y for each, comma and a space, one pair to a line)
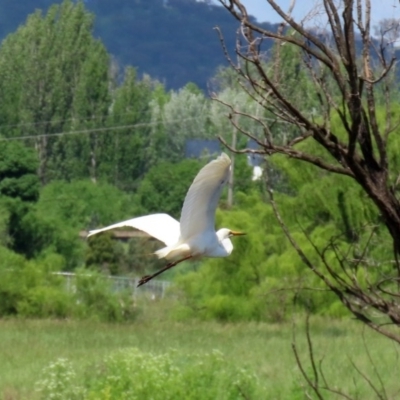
147, 278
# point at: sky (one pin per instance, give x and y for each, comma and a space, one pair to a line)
262, 11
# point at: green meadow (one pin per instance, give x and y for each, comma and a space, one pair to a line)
262, 350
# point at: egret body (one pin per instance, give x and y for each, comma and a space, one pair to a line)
195, 235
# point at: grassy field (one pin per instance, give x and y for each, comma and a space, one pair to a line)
27, 346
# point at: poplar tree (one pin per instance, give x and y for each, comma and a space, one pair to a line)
53, 81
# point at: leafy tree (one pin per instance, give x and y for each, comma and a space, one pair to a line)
18, 166
102, 252
53, 79
19, 190
20, 281
265, 277
65, 209
84, 205
59, 89
164, 187
221, 288
158, 138
127, 29
80, 156
185, 115
127, 157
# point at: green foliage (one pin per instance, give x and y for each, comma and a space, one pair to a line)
263, 349
96, 298
32, 289
46, 302
19, 189
64, 209
29, 288
226, 289
56, 77
18, 165
103, 252
4, 219
53, 79
125, 159
132, 374
82, 203
58, 88
242, 180
164, 187
265, 277
184, 116
59, 382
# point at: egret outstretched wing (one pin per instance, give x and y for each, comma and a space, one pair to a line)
161, 226
198, 212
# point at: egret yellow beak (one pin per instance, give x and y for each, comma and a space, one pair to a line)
235, 233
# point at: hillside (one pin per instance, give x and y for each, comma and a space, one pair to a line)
173, 41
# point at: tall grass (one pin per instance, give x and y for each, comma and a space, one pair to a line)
27, 347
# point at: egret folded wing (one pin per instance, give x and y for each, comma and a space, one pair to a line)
161, 226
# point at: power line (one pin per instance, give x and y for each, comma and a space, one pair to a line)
97, 130
57, 121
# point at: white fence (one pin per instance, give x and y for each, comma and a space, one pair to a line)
153, 289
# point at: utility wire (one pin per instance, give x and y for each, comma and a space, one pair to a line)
58, 121
97, 130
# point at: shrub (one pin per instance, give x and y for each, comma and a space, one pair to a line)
12, 282
96, 298
59, 382
44, 301
264, 278
29, 288
132, 374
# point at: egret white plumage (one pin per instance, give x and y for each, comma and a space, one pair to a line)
195, 235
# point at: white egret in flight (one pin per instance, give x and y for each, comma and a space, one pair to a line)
195, 236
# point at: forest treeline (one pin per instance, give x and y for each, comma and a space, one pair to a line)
81, 148
174, 41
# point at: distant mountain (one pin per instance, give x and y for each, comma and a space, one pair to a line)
171, 40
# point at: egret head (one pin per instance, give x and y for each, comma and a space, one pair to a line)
225, 233
224, 236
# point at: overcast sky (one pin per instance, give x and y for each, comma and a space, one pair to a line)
262, 11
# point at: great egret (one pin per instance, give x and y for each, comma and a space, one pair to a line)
194, 236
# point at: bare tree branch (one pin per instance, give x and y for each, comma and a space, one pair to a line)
346, 82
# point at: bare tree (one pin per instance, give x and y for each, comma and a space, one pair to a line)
352, 75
